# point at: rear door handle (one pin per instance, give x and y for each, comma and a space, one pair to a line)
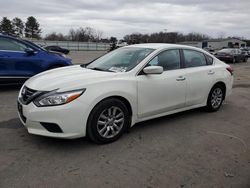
181, 78
210, 72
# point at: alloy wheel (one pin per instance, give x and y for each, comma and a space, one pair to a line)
110, 122
217, 98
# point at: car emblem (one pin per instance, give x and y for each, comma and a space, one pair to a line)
23, 91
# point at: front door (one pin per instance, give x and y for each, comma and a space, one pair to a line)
160, 93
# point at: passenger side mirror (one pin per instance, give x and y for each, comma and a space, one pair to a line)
30, 51
153, 70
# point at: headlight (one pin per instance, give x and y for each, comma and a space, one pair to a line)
54, 98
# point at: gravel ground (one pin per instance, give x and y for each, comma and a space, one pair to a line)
189, 149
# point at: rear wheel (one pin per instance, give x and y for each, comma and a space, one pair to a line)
215, 98
108, 121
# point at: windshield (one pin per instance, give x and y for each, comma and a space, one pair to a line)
33, 44
120, 60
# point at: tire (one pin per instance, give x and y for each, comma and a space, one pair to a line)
108, 121
215, 98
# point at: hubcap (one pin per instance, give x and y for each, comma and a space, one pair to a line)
217, 97
110, 122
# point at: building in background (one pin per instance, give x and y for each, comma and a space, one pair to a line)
217, 44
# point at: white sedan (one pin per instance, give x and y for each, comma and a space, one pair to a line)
103, 99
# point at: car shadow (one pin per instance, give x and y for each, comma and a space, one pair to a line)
166, 119
139, 128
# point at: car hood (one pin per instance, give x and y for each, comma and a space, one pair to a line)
67, 78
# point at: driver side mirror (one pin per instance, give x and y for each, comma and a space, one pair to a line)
29, 51
153, 70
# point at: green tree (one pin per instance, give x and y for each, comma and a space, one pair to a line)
18, 26
6, 26
32, 28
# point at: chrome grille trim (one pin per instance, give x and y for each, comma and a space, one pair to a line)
28, 95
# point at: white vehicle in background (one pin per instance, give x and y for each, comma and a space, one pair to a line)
121, 43
129, 85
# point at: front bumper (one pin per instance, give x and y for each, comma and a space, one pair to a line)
71, 118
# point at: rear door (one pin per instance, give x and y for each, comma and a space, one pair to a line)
200, 75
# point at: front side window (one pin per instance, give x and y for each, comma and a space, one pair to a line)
120, 60
194, 58
11, 45
169, 60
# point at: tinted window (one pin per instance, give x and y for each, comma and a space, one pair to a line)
11, 45
194, 58
209, 60
169, 60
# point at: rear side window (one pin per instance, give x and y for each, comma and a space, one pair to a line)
11, 45
194, 58
209, 60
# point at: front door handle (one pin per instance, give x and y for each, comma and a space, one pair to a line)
181, 78
210, 72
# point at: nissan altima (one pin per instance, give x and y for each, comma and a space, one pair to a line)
135, 83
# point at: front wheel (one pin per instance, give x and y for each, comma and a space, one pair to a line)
215, 98
108, 121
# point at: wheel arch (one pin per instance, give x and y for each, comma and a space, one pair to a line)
122, 99
223, 85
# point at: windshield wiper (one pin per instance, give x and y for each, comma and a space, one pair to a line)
99, 69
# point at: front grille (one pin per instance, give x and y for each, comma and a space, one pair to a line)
27, 93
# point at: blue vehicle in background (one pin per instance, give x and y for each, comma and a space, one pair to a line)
21, 59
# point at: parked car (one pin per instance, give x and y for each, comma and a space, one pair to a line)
246, 52
128, 85
20, 60
121, 43
57, 49
210, 50
231, 55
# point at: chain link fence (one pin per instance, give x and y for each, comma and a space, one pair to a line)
75, 46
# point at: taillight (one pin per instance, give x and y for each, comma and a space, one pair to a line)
230, 69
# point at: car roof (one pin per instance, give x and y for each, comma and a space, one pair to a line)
158, 46
29, 43
7, 36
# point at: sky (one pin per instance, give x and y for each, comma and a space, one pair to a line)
216, 18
